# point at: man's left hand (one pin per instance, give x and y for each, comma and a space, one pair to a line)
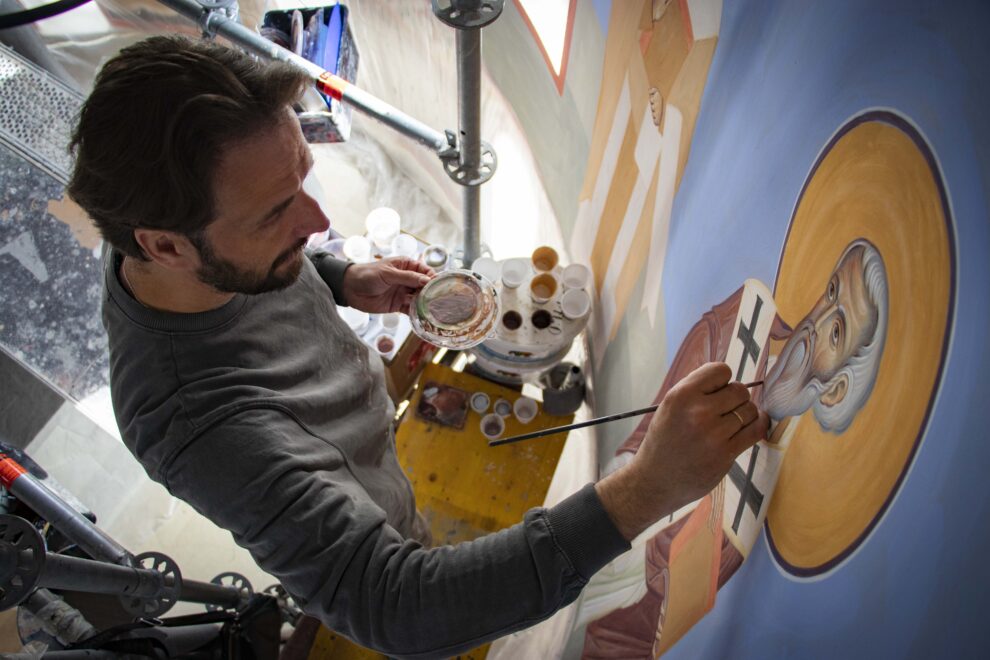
385, 286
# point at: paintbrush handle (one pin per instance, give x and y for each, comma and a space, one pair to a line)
581, 425
571, 427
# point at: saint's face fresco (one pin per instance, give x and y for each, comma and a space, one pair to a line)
831, 360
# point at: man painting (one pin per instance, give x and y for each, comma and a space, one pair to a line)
238, 386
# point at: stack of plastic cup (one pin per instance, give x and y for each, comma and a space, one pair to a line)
383, 226
357, 249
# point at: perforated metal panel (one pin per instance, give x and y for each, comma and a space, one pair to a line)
37, 112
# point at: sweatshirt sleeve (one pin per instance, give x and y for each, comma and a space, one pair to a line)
290, 499
331, 270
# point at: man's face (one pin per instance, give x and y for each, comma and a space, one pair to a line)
263, 215
841, 322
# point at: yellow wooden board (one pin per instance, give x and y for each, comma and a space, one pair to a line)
463, 487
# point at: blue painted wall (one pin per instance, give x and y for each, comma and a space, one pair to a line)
786, 76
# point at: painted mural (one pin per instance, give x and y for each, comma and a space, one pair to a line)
829, 236
831, 346
657, 57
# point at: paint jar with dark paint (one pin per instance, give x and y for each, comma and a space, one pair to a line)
512, 320
541, 319
492, 426
385, 344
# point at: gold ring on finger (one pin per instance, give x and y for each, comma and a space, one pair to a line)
742, 422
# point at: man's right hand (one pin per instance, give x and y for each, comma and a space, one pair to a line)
703, 423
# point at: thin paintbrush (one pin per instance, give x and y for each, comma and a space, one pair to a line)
581, 425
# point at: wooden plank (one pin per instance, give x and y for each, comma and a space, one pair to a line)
463, 487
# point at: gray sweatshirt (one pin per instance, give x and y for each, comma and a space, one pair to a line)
270, 417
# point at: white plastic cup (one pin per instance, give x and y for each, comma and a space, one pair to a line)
502, 407
436, 257
514, 272
525, 409
405, 245
383, 225
575, 276
357, 249
492, 426
390, 322
575, 303
357, 320
487, 267
479, 402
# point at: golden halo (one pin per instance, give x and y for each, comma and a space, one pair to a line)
875, 180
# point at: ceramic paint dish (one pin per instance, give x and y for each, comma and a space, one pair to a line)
457, 309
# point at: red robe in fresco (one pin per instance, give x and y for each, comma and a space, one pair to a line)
631, 632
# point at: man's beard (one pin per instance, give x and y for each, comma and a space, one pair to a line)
790, 389
224, 276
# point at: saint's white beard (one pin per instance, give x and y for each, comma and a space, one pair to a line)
790, 388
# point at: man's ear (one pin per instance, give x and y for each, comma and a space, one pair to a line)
168, 249
836, 391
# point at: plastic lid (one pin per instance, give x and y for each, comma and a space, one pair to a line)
456, 309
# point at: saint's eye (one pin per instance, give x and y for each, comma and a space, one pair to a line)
836, 335
833, 290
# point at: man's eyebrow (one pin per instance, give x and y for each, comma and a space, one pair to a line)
278, 208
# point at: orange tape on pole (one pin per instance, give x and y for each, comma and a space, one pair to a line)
9, 470
332, 85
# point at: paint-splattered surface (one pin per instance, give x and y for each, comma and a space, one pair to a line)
50, 297
464, 488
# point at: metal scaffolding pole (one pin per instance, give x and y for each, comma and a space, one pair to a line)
25, 566
476, 159
218, 23
469, 114
75, 526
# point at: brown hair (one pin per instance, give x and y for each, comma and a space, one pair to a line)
151, 134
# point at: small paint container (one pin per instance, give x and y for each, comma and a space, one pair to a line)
511, 320
384, 344
357, 320
383, 226
503, 408
525, 409
575, 303
487, 268
514, 272
357, 249
575, 276
390, 322
542, 288
492, 426
479, 402
545, 258
436, 257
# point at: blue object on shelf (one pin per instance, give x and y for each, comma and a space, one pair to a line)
328, 43
332, 43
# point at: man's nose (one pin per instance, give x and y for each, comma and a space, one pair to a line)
313, 220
